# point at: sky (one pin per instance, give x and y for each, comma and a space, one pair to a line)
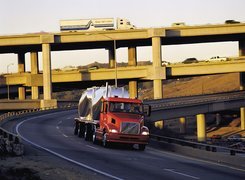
28, 16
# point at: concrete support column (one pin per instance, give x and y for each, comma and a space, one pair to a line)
242, 83
112, 57
242, 110
182, 124
21, 69
156, 62
47, 81
201, 128
159, 124
241, 48
34, 70
132, 61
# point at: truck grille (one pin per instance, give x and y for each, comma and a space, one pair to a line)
129, 128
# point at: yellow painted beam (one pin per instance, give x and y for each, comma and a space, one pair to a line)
203, 68
93, 36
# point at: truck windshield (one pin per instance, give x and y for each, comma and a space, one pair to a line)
126, 107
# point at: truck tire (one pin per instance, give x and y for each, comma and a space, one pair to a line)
76, 127
81, 130
105, 143
141, 147
88, 132
94, 138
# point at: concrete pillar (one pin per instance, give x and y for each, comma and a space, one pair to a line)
112, 57
242, 110
47, 81
241, 48
159, 124
182, 124
242, 83
156, 62
201, 128
132, 61
34, 70
21, 69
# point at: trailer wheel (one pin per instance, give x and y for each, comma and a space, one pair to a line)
81, 130
94, 139
87, 132
105, 143
76, 127
141, 147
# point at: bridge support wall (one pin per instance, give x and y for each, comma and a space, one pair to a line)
157, 62
21, 69
201, 128
34, 70
132, 61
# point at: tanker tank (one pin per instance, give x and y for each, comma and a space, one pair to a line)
90, 102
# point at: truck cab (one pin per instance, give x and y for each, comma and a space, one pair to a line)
122, 121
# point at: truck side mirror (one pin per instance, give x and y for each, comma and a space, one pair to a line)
147, 110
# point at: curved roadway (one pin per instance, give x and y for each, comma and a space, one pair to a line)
54, 133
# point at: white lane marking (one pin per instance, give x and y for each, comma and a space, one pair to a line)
92, 147
65, 135
182, 174
59, 155
59, 122
57, 127
195, 159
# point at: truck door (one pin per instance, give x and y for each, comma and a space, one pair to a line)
103, 114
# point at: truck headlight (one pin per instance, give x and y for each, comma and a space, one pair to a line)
113, 131
145, 133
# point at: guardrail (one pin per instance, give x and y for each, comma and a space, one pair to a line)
11, 143
203, 146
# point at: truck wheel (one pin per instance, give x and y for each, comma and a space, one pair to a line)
105, 143
88, 132
141, 147
81, 130
76, 127
94, 138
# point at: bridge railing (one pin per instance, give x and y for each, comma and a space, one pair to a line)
203, 146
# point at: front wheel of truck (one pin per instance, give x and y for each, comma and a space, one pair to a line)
141, 147
105, 143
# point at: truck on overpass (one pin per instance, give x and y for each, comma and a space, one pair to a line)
95, 24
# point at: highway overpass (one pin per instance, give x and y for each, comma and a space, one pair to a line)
111, 40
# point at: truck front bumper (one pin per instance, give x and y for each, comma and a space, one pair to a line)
127, 138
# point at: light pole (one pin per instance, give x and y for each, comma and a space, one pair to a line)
115, 48
7, 81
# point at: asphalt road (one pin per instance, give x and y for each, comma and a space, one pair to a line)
54, 133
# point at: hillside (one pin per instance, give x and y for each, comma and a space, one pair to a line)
194, 86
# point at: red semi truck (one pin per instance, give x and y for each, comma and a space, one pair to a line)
108, 115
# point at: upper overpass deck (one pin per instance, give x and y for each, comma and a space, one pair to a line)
137, 37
